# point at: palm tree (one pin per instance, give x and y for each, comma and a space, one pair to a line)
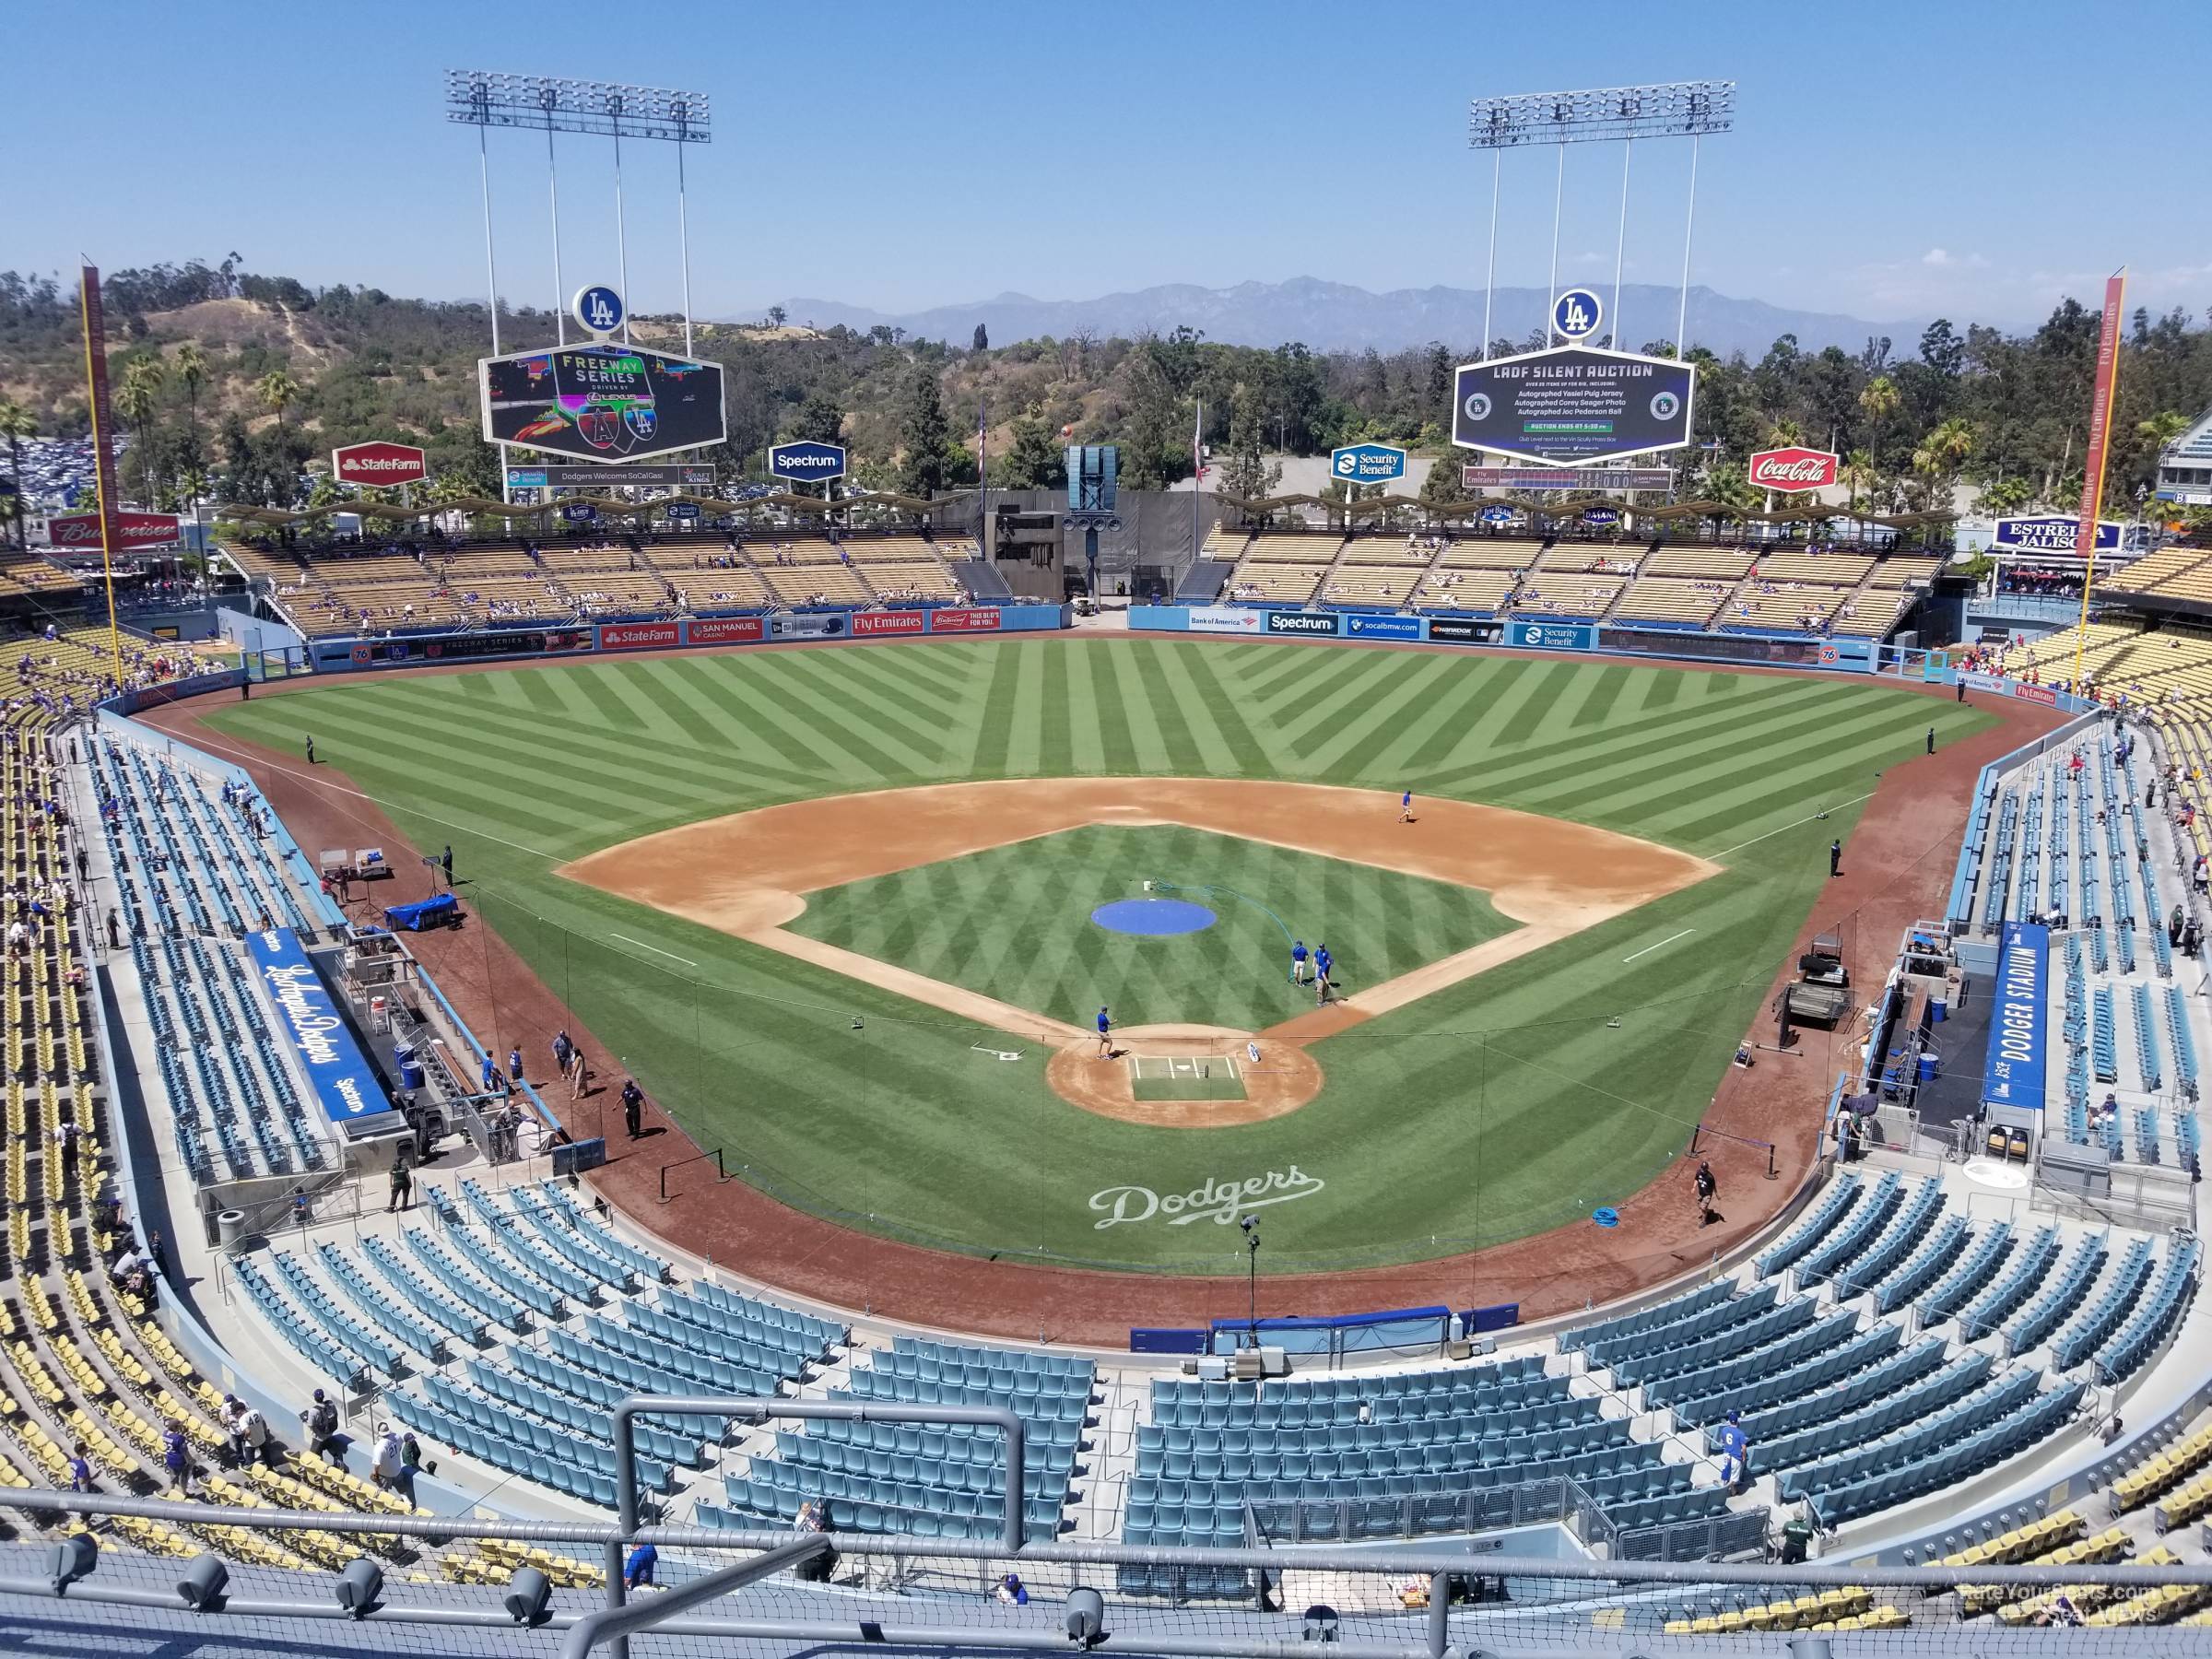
136, 401
192, 372
1783, 433
278, 391
1879, 402
17, 424
1942, 454
1859, 474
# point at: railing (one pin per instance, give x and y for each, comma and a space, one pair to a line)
1559, 1502
1733, 1534
721, 1174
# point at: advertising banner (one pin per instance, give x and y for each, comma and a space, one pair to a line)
578, 512
638, 636
519, 643
976, 619
1792, 469
1465, 630
1383, 627
81, 531
1224, 618
867, 623
379, 463
1574, 404
1552, 636
611, 478
807, 463
600, 402
806, 625
684, 510
2051, 533
345, 1087
2014, 1073
1367, 464
1302, 622
727, 630
1567, 478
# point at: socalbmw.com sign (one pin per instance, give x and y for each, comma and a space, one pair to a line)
1367, 464
807, 463
1576, 313
1221, 1202
2052, 533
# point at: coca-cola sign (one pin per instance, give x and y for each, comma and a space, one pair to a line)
1791, 470
379, 463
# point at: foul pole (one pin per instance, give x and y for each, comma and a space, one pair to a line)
2107, 385
93, 320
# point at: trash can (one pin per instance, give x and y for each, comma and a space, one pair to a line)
1939, 1010
230, 1228
1927, 1068
410, 1067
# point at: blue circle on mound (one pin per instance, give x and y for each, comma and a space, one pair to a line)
1156, 918
1606, 1216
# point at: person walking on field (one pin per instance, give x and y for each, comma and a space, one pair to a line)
1707, 1190
515, 1067
633, 1107
578, 1073
1931, 740
1105, 1035
1323, 964
1406, 807
1835, 858
1298, 962
311, 751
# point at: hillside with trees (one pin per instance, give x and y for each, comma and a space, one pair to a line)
240, 383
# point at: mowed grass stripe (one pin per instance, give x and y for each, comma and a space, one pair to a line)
1149, 749
848, 742
1248, 756
812, 673
737, 690
1174, 720
1354, 706
727, 726
1086, 731
1111, 699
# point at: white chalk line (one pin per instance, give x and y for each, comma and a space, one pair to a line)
1668, 940
656, 950
1812, 818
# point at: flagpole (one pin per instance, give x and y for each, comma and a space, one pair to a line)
984, 539
1197, 474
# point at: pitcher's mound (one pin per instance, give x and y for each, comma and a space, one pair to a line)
1284, 1078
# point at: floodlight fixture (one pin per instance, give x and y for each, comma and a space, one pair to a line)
1675, 109
560, 104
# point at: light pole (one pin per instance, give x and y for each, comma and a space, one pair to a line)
1251, 1278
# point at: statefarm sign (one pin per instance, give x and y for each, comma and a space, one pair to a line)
378, 463
1791, 470
133, 530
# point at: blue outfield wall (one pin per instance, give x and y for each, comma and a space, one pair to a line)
1788, 651
684, 633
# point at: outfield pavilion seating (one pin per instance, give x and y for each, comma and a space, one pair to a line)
1283, 569
25, 575
806, 571
945, 1481
1688, 604
1700, 562
1567, 594
1368, 585
2179, 571
1792, 608
710, 575
1485, 592
1490, 553
606, 580
1207, 579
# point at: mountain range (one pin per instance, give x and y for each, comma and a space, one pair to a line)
1335, 316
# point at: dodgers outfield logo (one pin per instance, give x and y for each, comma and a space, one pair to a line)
1220, 1202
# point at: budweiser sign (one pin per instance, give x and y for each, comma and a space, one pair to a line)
378, 463
1792, 469
81, 531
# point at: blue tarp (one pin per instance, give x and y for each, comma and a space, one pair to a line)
430, 913
2014, 1076
344, 1086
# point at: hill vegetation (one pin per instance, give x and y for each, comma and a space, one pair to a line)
243, 381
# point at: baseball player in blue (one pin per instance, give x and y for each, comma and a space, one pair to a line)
1298, 962
1322, 962
1105, 1035
1406, 807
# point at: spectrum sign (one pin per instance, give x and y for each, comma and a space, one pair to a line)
379, 463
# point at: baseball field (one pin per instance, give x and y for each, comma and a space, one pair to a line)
774, 886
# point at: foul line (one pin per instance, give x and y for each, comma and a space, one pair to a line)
1668, 940
1815, 818
200, 739
656, 950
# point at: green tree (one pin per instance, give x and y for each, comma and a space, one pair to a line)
819, 420
17, 423
1244, 471
1443, 486
136, 400
924, 436
982, 341
1034, 458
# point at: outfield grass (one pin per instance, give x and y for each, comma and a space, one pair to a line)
1014, 923
1501, 1106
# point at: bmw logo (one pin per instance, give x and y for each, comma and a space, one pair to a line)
1479, 406
1665, 407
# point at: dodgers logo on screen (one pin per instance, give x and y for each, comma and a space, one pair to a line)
1576, 313
1665, 407
598, 308
1479, 406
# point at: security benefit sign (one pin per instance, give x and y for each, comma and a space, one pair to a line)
2014, 1076
1574, 405
600, 402
320, 1041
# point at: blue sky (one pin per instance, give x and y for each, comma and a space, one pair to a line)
1890, 159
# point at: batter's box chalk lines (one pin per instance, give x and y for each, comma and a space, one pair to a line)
656, 950
977, 1048
1668, 940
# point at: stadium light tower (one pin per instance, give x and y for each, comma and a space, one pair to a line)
484, 100
1674, 110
